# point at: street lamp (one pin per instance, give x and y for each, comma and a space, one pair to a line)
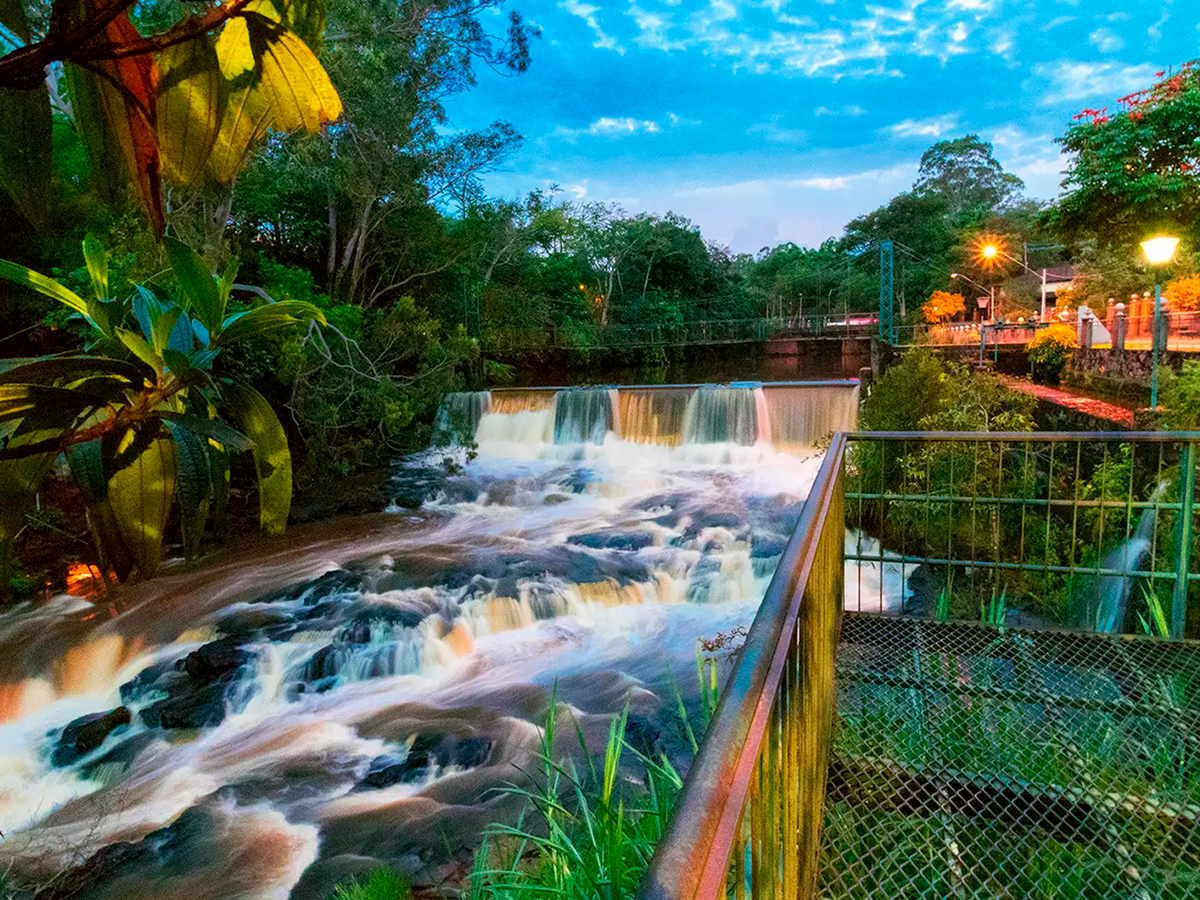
1159, 251
991, 251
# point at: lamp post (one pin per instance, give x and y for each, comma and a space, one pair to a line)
991, 251
1159, 251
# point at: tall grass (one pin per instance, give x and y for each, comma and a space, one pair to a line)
587, 833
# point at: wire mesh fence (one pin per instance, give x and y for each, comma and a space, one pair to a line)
1090, 531
972, 761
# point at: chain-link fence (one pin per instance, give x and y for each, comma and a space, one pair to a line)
971, 761
1095, 531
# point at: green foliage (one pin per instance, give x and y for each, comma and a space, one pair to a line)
136, 413
380, 884
357, 396
1179, 394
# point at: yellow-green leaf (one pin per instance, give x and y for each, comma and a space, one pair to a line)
188, 107
196, 281
272, 459
18, 274
96, 258
304, 97
138, 347
141, 495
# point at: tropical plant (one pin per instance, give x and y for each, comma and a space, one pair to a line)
186, 99
136, 413
1050, 351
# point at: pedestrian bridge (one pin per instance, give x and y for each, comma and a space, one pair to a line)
684, 334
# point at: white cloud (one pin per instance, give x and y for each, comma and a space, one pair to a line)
779, 134
624, 125
1106, 40
678, 121
850, 110
764, 36
1075, 80
769, 187
933, 127
587, 12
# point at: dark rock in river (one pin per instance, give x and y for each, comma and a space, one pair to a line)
613, 539
428, 751
200, 707
86, 733
216, 661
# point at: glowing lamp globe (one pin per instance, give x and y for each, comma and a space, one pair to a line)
989, 251
1159, 250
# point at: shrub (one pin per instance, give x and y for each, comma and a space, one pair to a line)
1050, 351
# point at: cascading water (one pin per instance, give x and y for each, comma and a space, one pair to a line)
585, 415
459, 416
1111, 603
736, 414
353, 694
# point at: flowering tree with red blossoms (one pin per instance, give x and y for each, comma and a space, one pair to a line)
1136, 168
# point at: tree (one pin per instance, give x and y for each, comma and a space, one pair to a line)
1136, 169
186, 100
943, 305
966, 176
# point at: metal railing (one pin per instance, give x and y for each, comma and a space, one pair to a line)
748, 820
710, 331
969, 759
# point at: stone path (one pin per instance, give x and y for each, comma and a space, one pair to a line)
1080, 402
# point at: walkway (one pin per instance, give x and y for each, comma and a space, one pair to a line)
1078, 402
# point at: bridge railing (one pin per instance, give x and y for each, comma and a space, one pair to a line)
748, 820
973, 753
707, 331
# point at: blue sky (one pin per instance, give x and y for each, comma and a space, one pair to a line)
773, 120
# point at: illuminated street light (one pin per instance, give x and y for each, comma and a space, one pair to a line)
1159, 251
989, 251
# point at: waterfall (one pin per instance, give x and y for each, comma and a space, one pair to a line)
736, 414
459, 416
585, 415
792, 417
804, 415
654, 415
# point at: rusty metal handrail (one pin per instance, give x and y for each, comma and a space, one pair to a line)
751, 803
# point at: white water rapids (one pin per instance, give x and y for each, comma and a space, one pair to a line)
351, 695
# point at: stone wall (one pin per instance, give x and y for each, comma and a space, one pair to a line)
1124, 365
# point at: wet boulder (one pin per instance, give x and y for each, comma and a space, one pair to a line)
428, 752
613, 539
216, 661
199, 707
765, 545
87, 733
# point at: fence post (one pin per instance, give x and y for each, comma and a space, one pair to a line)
1121, 328
1183, 538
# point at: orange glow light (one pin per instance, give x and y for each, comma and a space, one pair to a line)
989, 250
83, 579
